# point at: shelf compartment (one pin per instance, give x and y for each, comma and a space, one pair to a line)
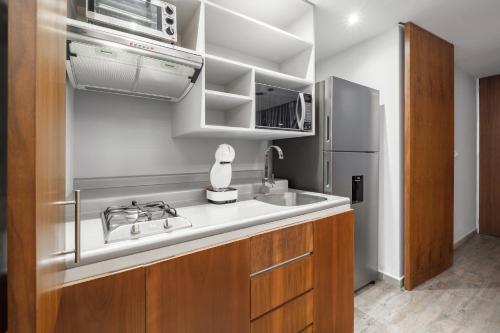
229, 77
223, 109
217, 131
277, 79
221, 101
263, 75
254, 42
283, 14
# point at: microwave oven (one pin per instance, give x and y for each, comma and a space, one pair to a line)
149, 18
283, 109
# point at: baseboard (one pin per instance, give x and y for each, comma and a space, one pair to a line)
399, 281
464, 239
392, 280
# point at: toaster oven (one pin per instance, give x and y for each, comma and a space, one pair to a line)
149, 18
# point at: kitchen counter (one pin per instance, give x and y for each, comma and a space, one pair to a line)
211, 225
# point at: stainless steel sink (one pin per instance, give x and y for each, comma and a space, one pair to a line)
289, 198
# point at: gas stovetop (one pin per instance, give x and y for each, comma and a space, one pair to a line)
140, 220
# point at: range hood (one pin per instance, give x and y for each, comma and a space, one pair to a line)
106, 60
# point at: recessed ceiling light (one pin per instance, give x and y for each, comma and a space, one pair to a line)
353, 19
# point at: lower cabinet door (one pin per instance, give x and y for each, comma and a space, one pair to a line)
202, 292
113, 303
334, 274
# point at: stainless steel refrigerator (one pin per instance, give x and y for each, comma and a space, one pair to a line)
342, 159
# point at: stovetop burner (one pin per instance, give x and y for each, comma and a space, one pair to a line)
139, 220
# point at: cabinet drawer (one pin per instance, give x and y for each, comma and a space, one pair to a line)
271, 289
278, 246
293, 317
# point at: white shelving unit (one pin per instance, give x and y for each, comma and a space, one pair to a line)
216, 100
244, 46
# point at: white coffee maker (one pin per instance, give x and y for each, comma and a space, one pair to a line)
220, 177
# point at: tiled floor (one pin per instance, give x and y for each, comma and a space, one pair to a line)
465, 298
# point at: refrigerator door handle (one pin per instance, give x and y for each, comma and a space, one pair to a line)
327, 175
327, 129
326, 110
301, 119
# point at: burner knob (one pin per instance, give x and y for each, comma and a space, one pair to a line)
169, 20
169, 10
170, 31
135, 229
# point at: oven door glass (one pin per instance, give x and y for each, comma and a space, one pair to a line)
276, 107
135, 12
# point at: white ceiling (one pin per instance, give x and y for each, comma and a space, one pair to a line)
473, 26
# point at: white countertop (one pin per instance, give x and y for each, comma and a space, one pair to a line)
211, 225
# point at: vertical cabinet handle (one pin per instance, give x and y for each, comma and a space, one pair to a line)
77, 227
76, 203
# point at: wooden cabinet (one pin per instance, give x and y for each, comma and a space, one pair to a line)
291, 280
303, 277
276, 287
278, 246
292, 317
114, 303
334, 274
206, 291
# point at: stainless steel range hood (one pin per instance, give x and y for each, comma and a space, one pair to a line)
106, 60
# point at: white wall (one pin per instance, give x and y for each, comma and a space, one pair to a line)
126, 136
377, 63
465, 154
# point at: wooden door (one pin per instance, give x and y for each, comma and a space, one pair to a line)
429, 151
334, 274
114, 303
202, 292
489, 162
35, 161
3, 165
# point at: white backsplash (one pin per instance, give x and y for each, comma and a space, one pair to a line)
125, 136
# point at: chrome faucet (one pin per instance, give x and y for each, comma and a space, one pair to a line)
268, 180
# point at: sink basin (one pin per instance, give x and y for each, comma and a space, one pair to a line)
289, 198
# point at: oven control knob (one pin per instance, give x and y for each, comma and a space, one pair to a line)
170, 31
135, 230
169, 20
169, 10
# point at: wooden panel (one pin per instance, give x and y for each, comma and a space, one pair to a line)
203, 292
429, 155
273, 288
489, 163
3, 164
277, 246
35, 162
114, 303
292, 317
308, 329
334, 274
